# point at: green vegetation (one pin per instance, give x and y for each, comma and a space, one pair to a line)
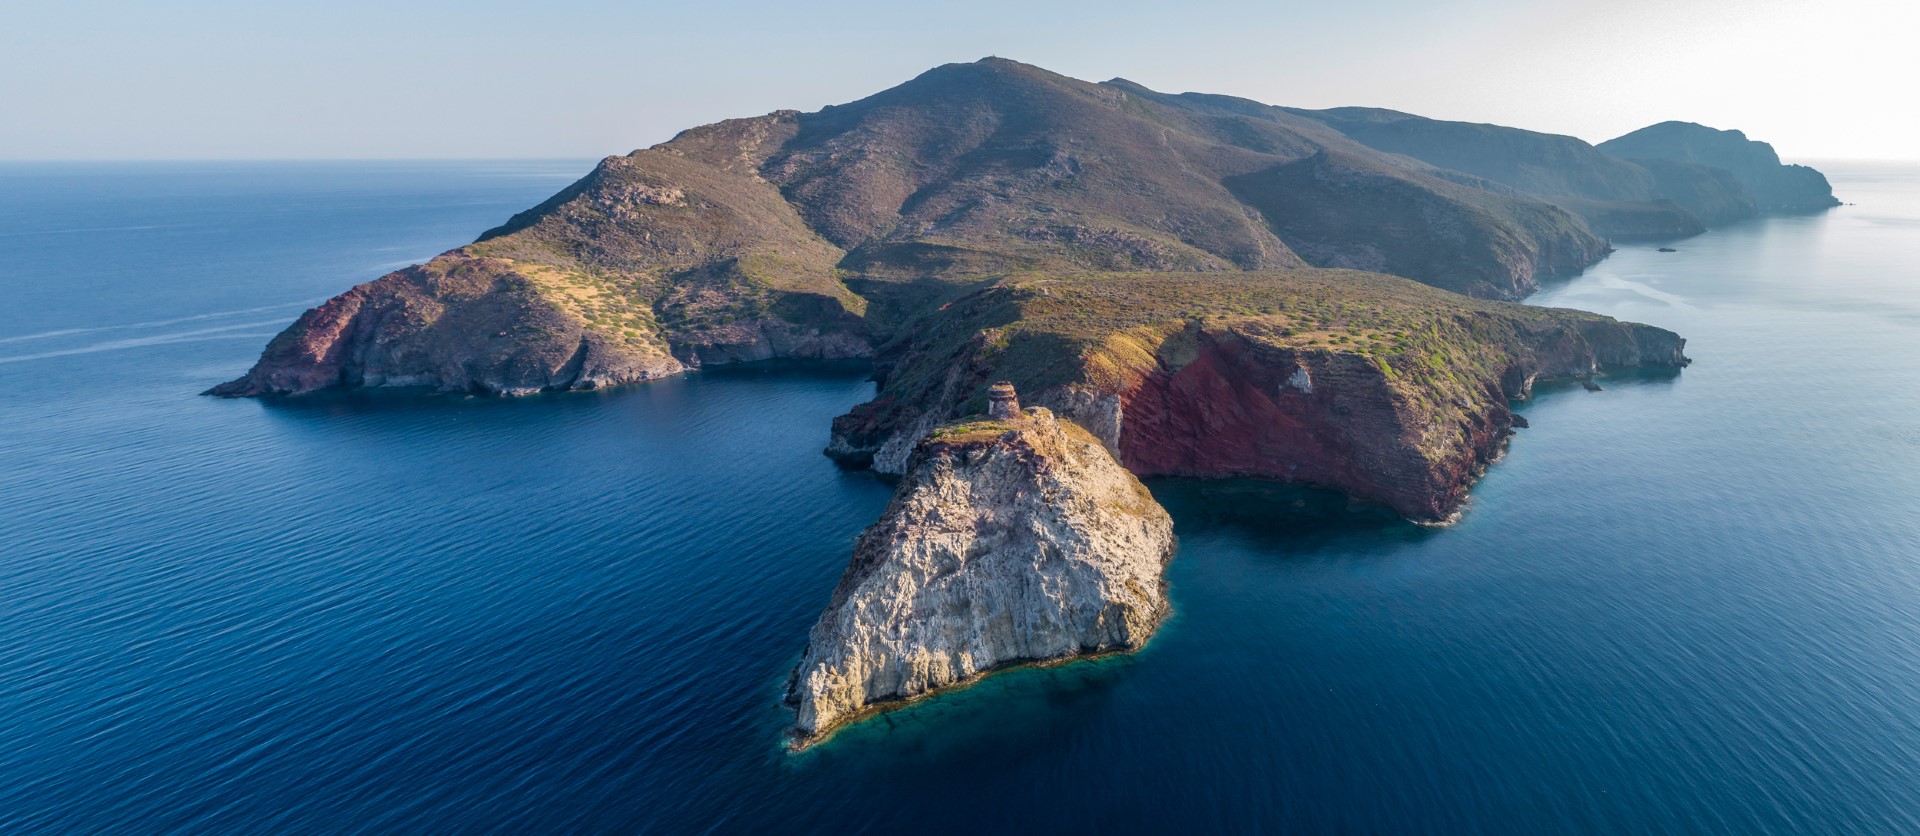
973, 429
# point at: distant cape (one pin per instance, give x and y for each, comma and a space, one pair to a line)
1666, 180
1774, 186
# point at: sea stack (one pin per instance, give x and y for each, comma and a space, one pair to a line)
1013, 539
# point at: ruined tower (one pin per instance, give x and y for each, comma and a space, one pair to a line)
1002, 403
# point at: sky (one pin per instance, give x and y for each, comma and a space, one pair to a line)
205, 79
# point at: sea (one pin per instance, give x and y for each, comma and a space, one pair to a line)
1688, 603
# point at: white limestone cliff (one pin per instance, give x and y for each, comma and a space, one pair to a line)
1008, 541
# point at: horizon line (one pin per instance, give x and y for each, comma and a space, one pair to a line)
578, 157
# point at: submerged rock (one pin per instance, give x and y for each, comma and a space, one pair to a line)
1008, 541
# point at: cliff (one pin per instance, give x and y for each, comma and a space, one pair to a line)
1373, 385
1774, 186
1009, 541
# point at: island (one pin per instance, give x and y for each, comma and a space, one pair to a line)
1182, 284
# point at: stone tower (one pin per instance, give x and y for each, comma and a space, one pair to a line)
1002, 403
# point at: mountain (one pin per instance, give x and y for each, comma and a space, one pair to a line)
745, 239
926, 226
1775, 187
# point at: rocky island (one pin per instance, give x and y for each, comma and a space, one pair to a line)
1014, 538
1185, 284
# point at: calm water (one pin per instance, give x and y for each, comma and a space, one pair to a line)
1684, 604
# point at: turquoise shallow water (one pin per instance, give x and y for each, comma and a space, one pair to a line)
1689, 603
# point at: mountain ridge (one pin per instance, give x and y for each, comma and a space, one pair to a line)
1660, 181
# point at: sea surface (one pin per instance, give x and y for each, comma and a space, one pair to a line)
1686, 604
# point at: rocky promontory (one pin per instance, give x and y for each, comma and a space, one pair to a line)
1664, 181
1013, 538
1773, 186
1375, 386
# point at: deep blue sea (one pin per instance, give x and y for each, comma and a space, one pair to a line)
1687, 604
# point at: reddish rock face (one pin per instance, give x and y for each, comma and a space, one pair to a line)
309, 355
1312, 418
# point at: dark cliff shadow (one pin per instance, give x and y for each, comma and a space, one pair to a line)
790, 368
1023, 708
1293, 518
1633, 378
346, 402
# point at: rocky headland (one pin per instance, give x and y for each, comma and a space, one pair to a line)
1385, 389
1771, 185
1664, 181
1013, 538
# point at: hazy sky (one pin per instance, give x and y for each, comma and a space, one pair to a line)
207, 79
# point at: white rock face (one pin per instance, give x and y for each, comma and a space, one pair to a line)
1007, 542
1301, 380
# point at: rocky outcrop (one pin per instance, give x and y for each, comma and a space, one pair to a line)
503, 327
1007, 542
454, 324
654, 263
1398, 396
